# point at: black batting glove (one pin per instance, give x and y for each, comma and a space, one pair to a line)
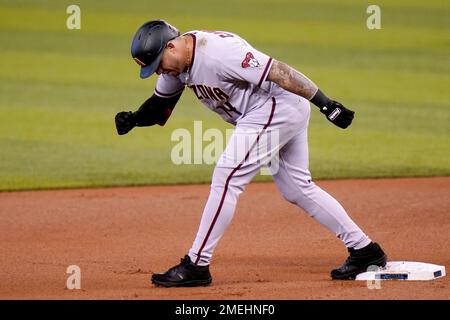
335, 112
125, 121
338, 114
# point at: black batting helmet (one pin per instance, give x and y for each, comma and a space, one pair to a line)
149, 43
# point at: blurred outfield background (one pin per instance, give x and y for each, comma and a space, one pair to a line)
60, 88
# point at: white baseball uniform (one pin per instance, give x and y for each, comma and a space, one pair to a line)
229, 76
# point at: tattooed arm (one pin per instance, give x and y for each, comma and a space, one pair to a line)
291, 80
294, 81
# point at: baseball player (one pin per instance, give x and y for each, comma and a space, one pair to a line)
260, 96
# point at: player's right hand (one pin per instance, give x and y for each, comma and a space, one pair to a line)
338, 114
125, 121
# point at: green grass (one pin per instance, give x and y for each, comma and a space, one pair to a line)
60, 89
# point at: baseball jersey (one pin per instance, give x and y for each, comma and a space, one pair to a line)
227, 74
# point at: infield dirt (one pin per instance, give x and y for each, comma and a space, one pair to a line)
272, 250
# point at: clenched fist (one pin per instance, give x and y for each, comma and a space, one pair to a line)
125, 121
338, 114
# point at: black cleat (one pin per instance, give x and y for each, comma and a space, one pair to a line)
359, 261
186, 274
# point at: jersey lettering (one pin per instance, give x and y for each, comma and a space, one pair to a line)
210, 93
228, 108
205, 92
213, 93
220, 94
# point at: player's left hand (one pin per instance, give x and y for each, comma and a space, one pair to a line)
338, 114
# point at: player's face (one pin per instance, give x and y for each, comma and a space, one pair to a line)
171, 61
